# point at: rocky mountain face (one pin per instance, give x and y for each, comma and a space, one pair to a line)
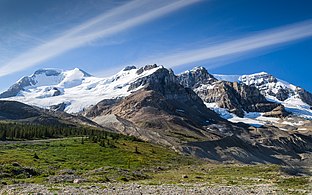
162, 111
196, 77
165, 112
271, 86
295, 99
237, 98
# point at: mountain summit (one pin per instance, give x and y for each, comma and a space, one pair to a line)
57, 78
73, 90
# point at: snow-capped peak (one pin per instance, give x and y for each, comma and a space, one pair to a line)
295, 99
74, 88
50, 76
195, 69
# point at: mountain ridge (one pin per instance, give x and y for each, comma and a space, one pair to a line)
69, 90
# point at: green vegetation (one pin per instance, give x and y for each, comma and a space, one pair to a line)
110, 157
120, 159
26, 131
234, 174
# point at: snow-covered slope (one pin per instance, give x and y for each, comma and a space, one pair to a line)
295, 99
75, 89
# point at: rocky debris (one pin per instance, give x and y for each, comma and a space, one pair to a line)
65, 178
278, 112
66, 172
153, 117
132, 188
118, 124
77, 181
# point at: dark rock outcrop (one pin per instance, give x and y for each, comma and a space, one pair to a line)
305, 96
147, 67
59, 107
17, 87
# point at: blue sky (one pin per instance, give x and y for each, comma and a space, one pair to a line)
103, 36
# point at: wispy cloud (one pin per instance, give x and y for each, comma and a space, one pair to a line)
119, 19
261, 40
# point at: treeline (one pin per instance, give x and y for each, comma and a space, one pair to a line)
24, 131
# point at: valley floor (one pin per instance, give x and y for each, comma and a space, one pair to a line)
135, 188
125, 166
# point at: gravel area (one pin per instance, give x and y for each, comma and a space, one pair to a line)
137, 189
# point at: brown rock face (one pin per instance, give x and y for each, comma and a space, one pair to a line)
163, 108
237, 98
277, 112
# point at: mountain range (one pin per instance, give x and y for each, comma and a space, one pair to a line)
248, 118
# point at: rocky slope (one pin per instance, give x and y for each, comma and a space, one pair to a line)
295, 99
19, 112
162, 111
